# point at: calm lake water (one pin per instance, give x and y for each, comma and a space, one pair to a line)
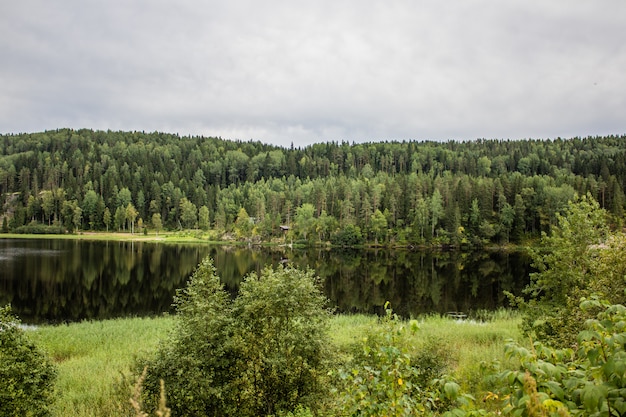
69, 280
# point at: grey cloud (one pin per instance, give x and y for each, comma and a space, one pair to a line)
315, 71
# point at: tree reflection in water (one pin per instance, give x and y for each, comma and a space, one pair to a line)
60, 280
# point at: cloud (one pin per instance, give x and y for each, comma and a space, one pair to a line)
306, 72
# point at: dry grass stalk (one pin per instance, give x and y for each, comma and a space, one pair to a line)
135, 400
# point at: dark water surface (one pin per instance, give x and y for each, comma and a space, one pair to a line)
71, 280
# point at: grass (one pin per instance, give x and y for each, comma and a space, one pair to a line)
92, 357
470, 343
115, 236
184, 236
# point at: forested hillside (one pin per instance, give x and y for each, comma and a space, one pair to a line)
478, 192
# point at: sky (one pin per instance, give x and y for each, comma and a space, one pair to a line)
302, 72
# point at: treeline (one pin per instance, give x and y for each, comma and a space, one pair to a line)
452, 193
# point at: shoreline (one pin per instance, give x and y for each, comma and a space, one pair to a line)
205, 238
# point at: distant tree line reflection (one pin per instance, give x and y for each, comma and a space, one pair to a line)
59, 280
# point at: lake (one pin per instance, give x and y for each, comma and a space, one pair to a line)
53, 281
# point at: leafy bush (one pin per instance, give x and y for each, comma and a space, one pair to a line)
262, 353
348, 236
433, 359
589, 380
386, 379
381, 380
39, 229
565, 262
279, 340
27, 376
193, 360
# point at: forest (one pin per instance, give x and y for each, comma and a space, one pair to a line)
451, 193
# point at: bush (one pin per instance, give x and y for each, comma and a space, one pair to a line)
348, 236
262, 353
26, 373
588, 380
566, 264
385, 379
192, 359
280, 341
433, 359
39, 229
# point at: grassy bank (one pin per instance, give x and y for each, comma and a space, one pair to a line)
177, 237
92, 357
212, 237
184, 236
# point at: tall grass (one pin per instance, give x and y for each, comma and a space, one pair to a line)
468, 345
472, 345
93, 357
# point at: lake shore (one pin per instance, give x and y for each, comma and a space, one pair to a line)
200, 237
175, 237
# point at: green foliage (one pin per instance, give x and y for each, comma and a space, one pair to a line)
350, 235
589, 380
156, 222
203, 218
385, 378
26, 373
565, 262
603, 351
304, 221
279, 339
498, 191
106, 218
243, 225
382, 378
137, 403
433, 359
608, 269
131, 214
39, 229
378, 225
260, 354
188, 213
194, 359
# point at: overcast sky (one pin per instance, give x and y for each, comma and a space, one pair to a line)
283, 71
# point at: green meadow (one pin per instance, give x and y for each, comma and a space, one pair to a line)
94, 359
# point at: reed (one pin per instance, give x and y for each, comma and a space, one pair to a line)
94, 358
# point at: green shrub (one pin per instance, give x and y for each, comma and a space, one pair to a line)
39, 229
386, 379
350, 235
193, 360
280, 341
263, 353
27, 376
588, 380
433, 359
565, 271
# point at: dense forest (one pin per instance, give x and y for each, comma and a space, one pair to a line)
414, 193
